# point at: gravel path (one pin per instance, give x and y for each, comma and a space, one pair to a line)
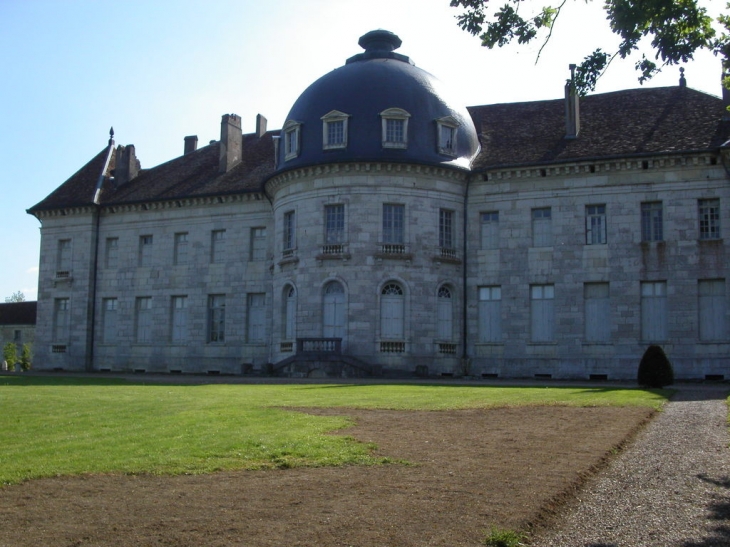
671, 487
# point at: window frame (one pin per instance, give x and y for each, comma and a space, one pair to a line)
489, 314
653, 328
489, 230
542, 226
596, 228
597, 306
708, 211
258, 243
394, 115
110, 309
179, 320
217, 246
216, 323
143, 320
289, 230
145, 250
111, 253
180, 243
334, 224
451, 124
542, 307
446, 229
291, 133
652, 221
328, 122
393, 223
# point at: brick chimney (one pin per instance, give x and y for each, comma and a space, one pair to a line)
572, 107
231, 143
126, 164
191, 144
260, 125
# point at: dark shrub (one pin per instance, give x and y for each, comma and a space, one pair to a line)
655, 370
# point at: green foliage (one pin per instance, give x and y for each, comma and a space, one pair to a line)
10, 355
15, 297
25, 357
676, 30
655, 370
504, 538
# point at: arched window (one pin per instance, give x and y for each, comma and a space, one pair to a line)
392, 306
445, 314
333, 316
289, 313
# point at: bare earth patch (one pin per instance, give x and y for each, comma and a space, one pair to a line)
471, 469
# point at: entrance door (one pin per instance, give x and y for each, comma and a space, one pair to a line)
334, 312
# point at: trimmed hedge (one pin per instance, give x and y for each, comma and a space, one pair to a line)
655, 370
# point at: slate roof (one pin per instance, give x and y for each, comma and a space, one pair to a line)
619, 124
18, 313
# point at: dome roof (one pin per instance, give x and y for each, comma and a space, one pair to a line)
356, 99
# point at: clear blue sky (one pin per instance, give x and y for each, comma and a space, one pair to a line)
158, 70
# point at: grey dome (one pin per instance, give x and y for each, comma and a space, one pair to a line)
367, 85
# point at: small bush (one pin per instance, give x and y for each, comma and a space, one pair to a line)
25, 357
10, 355
504, 538
655, 370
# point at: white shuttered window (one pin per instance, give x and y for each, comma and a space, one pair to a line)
542, 313
654, 311
712, 309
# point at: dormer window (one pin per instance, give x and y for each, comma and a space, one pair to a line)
395, 128
446, 135
334, 130
291, 132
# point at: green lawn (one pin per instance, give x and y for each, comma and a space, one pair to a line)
58, 426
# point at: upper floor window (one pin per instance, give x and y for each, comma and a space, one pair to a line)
181, 248
446, 232
446, 134
111, 252
63, 262
652, 221
217, 245
542, 227
393, 223
395, 128
490, 229
291, 131
145, 250
595, 224
709, 210
289, 230
258, 243
334, 130
334, 224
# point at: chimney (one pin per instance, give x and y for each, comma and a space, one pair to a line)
260, 125
231, 143
572, 107
126, 164
191, 144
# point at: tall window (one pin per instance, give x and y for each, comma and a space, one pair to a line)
258, 243
145, 250
709, 210
217, 318
393, 223
289, 313
256, 317
395, 128
446, 133
712, 309
542, 313
218, 246
181, 248
446, 232
291, 131
334, 224
111, 252
109, 320
597, 312
490, 314
61, 319
289, 231
392, 311
595, 224
654, 311
334, 130
445, 314
63, 259
542, 229
143, 319
179, 319
652, 221
489, 229
333, 325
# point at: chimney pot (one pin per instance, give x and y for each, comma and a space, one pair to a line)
260, 125
191, 144
126, 164
572, 107
231, 143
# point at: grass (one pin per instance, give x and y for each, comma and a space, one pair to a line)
64, 426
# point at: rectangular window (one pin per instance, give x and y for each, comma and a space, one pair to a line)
336, 133
395, 131
145, 250
61, 319
218, 246
334, 224
542, 230
179, 319
446, 233
143, 320
595, 224
393, 223
111, 254
109, 320
217, 318
447, 139
258, 243
63, 259
181, 248
256, 317
709, 210
490, 314
652, 222
712, 309
291, 140
17, 336
597, 312
542, 313
654, 311
289, 231
490, 230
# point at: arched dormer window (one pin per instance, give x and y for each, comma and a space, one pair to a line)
292, 138
446, 135
334, 130
395, 128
